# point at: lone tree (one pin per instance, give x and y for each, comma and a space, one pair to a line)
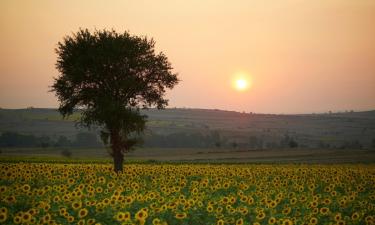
109, 77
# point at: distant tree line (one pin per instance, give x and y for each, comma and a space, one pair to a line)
212, 139
14, 139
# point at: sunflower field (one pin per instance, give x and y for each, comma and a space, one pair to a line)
81, 193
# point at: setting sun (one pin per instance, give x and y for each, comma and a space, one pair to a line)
241, 84
241, 81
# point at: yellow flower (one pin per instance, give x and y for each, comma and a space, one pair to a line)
82, 213
26, 217
17, 219
26, 188
324, 210
338, 217
272, 220
355, 216
220, 222
287, 222
3, 210
3, 217
70, 219
180, 215
81, 222
313, 220
76, 205
239, 221
141, 215
156, 221
260, 216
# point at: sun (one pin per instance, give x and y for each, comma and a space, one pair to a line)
241, 81
241, 84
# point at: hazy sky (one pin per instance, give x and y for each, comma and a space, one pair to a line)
302, 56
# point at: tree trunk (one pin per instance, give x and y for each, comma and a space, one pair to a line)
118, 156
118, 159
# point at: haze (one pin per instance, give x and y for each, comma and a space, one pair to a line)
302, 56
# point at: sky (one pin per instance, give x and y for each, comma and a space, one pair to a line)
298, 56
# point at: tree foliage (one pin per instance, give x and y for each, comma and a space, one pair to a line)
109, 76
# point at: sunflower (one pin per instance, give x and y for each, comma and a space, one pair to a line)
156, 221
3, 217
287, 222
180, 216
26, 188
141, 215
272, 220
220, 222
313, 220
239, 221
90, 221
324, 210
76, 205
355, 216
17, 219
26, 217
70, 219
62, 211
82, 213
3, 210
47, 218
120, 216
260, 216
287, 210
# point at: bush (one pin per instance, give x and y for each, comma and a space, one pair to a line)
66, 153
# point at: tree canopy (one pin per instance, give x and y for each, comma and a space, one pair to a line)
109, 76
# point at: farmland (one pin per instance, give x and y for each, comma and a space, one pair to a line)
58, 193
201, 128
241, 173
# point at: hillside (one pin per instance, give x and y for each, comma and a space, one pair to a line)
216, 128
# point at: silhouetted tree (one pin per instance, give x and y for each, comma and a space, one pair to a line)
66, 153
63, 141
109, 76
293, 143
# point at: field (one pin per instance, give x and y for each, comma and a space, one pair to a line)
329, 130
83, 193
244, 155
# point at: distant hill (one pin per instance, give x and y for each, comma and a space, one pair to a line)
215, 128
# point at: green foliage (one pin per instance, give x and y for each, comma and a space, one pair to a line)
109, 77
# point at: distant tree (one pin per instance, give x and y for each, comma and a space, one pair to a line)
109, 76
373, 143
293, 143
234, 144
44, 141
66, 153
216, 138
13, 139
63, 141
288, 142
355, 144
